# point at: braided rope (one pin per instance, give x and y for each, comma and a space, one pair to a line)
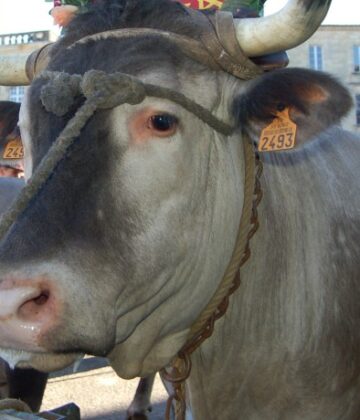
241, 242
203, 328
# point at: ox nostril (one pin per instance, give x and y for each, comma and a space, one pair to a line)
28, 308
42, 298
33, 307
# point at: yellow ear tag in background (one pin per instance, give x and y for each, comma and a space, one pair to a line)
278, 135
14, 149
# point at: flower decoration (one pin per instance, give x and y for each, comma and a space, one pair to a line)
63, 14
202, 4
64, 10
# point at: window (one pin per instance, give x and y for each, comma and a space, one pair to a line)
357, 104
16, 93
315, 57
356, 51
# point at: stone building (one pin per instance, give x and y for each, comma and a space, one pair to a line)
21, 44
335, 49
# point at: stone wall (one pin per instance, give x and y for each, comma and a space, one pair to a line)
337, 44
22, 44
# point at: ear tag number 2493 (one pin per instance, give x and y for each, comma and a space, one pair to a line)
279, 134
14, 150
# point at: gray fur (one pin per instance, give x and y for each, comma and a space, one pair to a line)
9, 188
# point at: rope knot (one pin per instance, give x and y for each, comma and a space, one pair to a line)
112, 89
59, 93
108, 90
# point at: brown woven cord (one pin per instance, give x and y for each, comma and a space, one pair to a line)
203, 328
241, 242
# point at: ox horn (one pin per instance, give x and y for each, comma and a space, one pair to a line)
288, 28
20, 69
12, 70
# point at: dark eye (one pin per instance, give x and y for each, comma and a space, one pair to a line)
163, 122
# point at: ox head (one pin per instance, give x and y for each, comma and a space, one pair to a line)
126, 241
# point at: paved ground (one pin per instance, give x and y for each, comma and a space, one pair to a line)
99, 392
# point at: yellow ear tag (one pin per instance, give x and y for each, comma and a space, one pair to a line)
14, 149
278, 135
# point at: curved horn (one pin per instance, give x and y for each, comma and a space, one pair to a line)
12, 70
20, 69
288, 28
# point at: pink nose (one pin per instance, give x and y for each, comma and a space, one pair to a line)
27, 310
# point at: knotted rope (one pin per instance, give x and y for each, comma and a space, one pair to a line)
101, 91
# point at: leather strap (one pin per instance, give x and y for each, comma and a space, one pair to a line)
218, 36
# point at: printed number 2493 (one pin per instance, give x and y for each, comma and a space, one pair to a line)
277, 142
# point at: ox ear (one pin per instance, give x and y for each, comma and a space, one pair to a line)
315, 101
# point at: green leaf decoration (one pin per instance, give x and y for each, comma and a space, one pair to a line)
257, 5
78, 3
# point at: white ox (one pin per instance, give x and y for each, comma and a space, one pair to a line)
127, 241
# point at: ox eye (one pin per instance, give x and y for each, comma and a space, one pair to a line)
163, 124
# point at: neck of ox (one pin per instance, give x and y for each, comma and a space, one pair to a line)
211, 233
